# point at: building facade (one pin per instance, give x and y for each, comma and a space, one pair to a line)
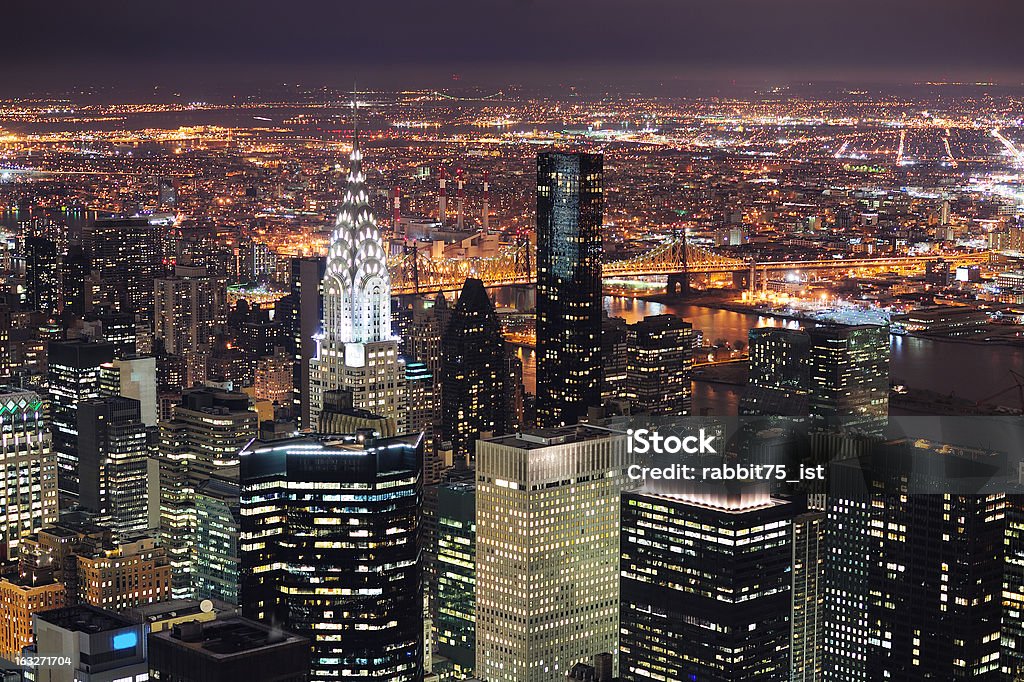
547, 569
570, 209
330, 551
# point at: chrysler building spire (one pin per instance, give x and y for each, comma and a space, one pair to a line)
357, 285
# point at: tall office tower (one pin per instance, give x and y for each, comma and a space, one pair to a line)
28, 499
100, 645
547, 565
113, 460
570, 200
614, 356
780, 380
79, 289
455, 623
133, 377
347, 576
73, 375
419, 386
122, 576
42, 275
473, 372
913, 581
218, 515
302, 312
203, 438
357, 349
705, 588
187, 309
807, 630
659, 366
127, 256
227, 649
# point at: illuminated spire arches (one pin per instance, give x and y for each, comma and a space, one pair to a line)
357, 285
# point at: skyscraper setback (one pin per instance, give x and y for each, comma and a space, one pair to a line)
570, 205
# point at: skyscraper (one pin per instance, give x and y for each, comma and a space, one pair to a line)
779, 380
203, 438
456, 574
705, 589
302, 311
913, 581
473, 372
570, 204
849, 374
807, 640
547, 569
126, 254
218, 515
329, 550
836, 374
42, 275
659, 365
28, 499
113, 457
73, 375
356, 348
188, 307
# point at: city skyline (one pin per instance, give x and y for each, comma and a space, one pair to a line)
517, 342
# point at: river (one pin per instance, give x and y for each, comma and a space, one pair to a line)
971, 371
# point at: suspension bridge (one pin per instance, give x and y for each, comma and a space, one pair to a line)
413, 271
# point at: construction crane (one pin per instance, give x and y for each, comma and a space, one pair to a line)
1018, 386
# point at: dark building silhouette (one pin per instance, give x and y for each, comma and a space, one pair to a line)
330, 550
659, 365
126, 254
569, 214
73, 375
113, 454
227, 650
474, 398
700, 605
913, 578
42, 275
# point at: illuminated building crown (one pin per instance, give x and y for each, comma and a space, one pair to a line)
357, 285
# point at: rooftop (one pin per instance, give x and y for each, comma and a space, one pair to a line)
233, 636
84, 618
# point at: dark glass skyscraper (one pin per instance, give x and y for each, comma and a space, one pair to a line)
456, 579
473, 372
570, 204
73, 375
705, 591
329, 550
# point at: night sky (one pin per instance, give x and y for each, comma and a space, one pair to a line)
128, 43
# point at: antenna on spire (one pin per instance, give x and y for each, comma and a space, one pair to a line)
355, 116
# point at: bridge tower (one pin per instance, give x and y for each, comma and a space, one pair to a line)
680, 282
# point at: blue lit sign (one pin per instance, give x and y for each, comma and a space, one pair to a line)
125, 640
